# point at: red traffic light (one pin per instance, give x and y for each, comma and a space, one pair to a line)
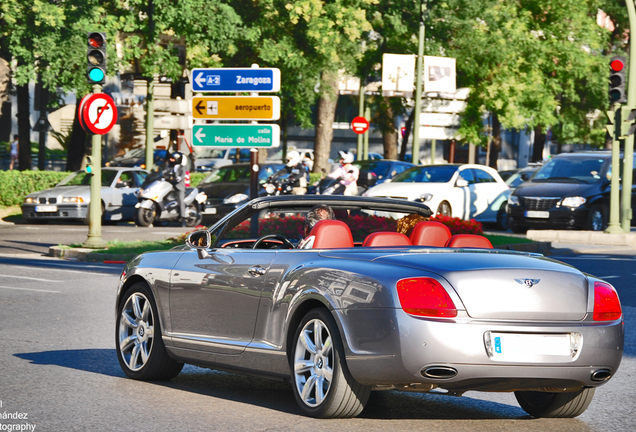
617, 65
96, 40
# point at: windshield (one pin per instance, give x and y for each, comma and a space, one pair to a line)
211, 153
426, 174
572, 169
82, 178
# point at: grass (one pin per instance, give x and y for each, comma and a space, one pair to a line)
500, 240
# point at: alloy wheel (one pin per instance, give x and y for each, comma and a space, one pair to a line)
314, 363
136, 331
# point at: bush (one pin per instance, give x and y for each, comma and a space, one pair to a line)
459, 226
15, 185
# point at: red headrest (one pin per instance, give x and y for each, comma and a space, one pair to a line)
331, 234
469, 241
430, 233
386, 238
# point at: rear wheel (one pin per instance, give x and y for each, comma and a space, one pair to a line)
502, 217
145, 217
555, 405
193, 217
323, 386
444, 209
141, 352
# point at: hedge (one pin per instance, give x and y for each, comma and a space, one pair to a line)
15, 185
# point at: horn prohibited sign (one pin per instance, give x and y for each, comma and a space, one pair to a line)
98, 113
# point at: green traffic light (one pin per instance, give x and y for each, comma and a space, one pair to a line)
96, 75
89, 169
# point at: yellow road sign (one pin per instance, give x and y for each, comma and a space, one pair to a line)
236, 107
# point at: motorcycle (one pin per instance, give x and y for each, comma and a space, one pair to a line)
158, 202
278, 187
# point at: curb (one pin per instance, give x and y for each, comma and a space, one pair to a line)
86, 254
583, 237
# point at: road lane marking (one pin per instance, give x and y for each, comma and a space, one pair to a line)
609, 277
29, 278
65, 270
29, 289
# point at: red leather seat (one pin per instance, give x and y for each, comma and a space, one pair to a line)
330, 234
430, 233
469, 241
386, 238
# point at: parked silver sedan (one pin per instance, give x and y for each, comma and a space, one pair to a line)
368, 308
69, 199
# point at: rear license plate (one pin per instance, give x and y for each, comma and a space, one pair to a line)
46, 208
537, 214
209, 211
530, 348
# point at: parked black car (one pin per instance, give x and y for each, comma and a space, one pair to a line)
228, 187
571, 191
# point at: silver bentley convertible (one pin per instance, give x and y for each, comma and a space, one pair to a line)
364, 307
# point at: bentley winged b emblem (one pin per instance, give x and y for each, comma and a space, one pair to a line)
528, 283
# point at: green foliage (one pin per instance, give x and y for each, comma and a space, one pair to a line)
15, 185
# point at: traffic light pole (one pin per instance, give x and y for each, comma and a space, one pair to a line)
150, 126
418, 88
628, 153
360, 114
614, 116
94, 239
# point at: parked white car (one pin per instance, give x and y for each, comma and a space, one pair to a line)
464, 191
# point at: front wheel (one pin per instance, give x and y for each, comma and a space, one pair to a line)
141, 352
322, 384
145, 217
597, 220
193, 217
555, 405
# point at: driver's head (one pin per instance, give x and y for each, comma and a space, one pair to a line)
317, 213
293, 158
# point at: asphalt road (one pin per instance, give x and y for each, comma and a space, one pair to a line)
58, 366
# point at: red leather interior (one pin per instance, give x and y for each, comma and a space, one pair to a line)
469, 240
331, 234
430, 233
386, 238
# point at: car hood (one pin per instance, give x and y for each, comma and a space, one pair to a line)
409, 191
556, 189
224, 190
492, 283
70, 191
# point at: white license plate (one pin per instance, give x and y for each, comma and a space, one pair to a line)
209, 211
531, 348
537, 214
46, 208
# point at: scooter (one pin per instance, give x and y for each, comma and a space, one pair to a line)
158, 202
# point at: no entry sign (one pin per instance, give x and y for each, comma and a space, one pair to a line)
360, 125
98, 113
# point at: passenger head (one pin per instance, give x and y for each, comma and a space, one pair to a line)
317, 213
345, 157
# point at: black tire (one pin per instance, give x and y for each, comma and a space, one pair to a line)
597, 219
445, 209
194, 217
555, 405
502, 217
145, 217
140, 349
342, 396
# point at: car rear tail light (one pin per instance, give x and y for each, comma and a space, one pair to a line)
607, 306
425, 297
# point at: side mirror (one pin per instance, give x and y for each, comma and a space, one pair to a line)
199, 240
461, 183
525, 176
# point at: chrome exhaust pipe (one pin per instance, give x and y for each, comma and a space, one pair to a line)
601, 375
439, 372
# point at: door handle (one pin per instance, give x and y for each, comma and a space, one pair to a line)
257, 271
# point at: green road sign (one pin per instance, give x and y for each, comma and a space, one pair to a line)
236, 135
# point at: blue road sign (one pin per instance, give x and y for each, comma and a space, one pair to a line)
236, 80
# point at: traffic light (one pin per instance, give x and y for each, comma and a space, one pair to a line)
96, 58
628, 116
617, 80
88, 168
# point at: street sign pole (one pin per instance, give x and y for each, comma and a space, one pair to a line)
360, 114
150, 125
418, 87
614, 129
94, 239
628, 153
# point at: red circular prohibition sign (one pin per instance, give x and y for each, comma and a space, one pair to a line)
359, 125
99, 113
